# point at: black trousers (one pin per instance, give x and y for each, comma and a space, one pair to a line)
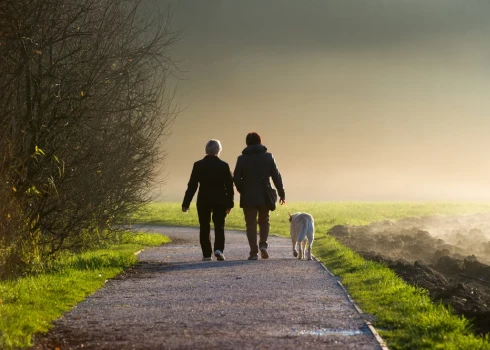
218, 214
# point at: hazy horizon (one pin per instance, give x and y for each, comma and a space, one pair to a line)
356, 100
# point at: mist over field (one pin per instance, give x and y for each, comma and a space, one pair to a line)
447, 256
356, 100
425, 239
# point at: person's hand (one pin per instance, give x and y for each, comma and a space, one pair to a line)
185, 209
282, 201
228, 211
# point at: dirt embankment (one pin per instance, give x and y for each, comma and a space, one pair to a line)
448, 256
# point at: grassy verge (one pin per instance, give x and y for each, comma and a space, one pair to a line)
29, 304
405, 315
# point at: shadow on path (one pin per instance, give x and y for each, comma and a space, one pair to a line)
173, 300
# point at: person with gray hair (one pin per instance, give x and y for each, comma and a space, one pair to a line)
215, 198
213, 147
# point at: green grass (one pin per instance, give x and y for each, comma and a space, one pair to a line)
29, 304
405, 315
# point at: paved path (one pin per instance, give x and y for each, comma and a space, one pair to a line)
173, 300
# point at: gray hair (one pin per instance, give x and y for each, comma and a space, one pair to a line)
213, 147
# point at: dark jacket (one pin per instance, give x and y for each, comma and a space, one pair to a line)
254, 163
215, 183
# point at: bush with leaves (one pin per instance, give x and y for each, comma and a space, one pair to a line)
84, 110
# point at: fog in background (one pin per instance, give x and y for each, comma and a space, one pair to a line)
357, 100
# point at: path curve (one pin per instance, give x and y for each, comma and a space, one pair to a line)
173, 300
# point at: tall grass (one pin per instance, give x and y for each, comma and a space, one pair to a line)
404, 315
29, 304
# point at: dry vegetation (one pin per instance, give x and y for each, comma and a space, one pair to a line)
83, 111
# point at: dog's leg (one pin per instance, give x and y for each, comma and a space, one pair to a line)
295, 252
308, 253
301, 250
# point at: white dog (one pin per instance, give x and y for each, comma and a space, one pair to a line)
302, 230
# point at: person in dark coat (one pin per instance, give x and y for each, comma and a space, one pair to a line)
252, 165
215, 197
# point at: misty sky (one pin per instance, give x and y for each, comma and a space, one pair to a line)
357, 100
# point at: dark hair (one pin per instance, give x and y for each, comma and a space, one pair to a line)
253, 139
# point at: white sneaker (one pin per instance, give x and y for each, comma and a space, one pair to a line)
219, 255
207, 258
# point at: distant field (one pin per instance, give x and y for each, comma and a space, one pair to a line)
326, 214
404, 315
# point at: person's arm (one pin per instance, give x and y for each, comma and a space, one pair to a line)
237, 175
230, 193
277, 179
191, 189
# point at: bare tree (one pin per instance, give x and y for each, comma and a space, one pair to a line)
84, 110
